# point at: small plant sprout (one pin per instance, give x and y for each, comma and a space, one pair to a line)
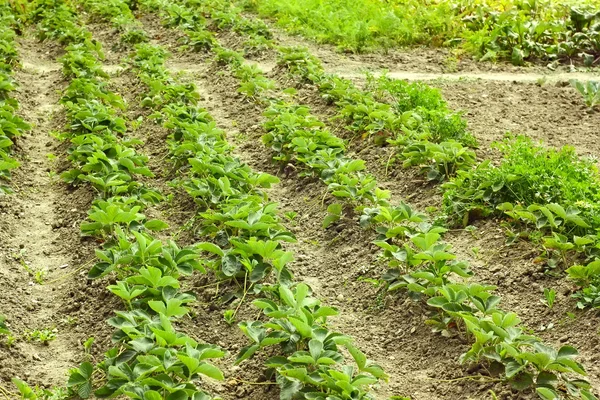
44, 336
71, 321
549, 297
291, 215
87, 347
590, 91
229, 316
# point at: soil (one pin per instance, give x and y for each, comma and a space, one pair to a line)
41, 256
41, 220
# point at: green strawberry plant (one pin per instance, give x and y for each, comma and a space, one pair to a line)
311, 358
590, 92
11, 125
151, 359
243, 229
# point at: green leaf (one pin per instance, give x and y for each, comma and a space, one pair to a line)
156, 225
152, 395
547, 393
522, 381
210, 371
512, 368
567, 351
359, 357
211, 248
246, 353
24, 389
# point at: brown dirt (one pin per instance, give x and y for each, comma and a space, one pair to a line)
40, 233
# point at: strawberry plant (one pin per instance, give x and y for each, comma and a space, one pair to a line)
589, 90
438, 162
426, 275
423, 266
151, 359
11, 125
588, 278
309, 351
391, 111
244, 231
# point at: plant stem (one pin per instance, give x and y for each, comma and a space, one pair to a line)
466, 378
254, 383
243, 297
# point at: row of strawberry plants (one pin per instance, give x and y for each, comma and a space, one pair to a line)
11, 125
121, 18
423, 264
150, 359
412, 117
294, 134
246, 238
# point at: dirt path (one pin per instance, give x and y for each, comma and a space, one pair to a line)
36, 263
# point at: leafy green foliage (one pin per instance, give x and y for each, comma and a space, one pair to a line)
11, 125
517, 30
244, 230
311, 357
438, 161
528, 174
412, 116
3, 327
150, 358
427, 269
549, 297
424, 265
589, 90
588, 278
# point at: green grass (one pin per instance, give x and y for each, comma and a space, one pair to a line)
529, 173
516, 30
359, 25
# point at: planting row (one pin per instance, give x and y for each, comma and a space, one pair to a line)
11, 125
245, 236
420, 262
150, 358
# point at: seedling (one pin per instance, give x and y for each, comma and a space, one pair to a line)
291, 215
44, 336
590, 91
229, 316
549, 297
3, 327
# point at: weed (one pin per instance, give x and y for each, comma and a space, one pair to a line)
528, 174
549, 297
44, 336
